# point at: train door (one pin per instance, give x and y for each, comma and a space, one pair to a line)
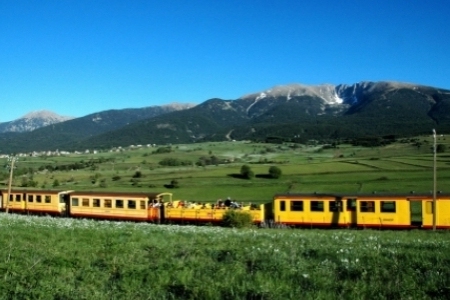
415, 210
23, 203
162, 213
336, 209
65, 198
153, 210
351, 211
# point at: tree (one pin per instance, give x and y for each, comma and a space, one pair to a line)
246, 172
440, 148
24, 182
175, 184
275, 172
55, 183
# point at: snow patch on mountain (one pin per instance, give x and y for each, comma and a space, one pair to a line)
261, 96
334, 95
326, 92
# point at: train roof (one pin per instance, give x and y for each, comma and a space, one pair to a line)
116, 194
364, 195
35, 191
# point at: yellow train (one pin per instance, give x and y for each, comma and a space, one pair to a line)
362, 210
299, 210
146, 207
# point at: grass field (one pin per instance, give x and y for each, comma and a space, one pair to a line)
45, 258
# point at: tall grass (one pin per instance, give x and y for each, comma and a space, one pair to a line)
46, 258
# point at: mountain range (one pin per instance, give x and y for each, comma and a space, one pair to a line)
293, 112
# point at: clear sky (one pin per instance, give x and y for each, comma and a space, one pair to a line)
77, 57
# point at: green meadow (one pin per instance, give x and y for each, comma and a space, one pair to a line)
57, 258
208, 171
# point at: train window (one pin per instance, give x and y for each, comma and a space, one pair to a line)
351, 204
48, 199
30, 198
107, 203
142, 204
388, 206
367, 206
95, 202
85, 202
38, 198
282, 205
297, 205
10, 198
429, 207
18, 198
336, 206
75, 202
317, 206
61, 198
119, 203
132, 204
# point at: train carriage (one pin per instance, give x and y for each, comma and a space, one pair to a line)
382, 211
51, 202
182, 212
118, 206
442, 211
402, 211
314, 210
394, 211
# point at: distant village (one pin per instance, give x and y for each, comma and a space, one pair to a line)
87, 151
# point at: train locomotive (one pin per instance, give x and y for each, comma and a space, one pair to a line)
323, 210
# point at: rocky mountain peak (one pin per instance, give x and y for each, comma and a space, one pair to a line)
45, 115
32, 121
329, 93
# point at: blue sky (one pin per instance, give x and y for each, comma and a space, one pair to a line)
78, 57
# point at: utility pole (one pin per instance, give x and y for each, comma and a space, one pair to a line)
12, 159
434, 180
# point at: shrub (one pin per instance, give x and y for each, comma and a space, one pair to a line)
237, 219
274, 172
26, 182
137, 174
174, 184
163, 150
103, 183
246, 172
170, 161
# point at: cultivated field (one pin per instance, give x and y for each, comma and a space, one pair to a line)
400, 167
